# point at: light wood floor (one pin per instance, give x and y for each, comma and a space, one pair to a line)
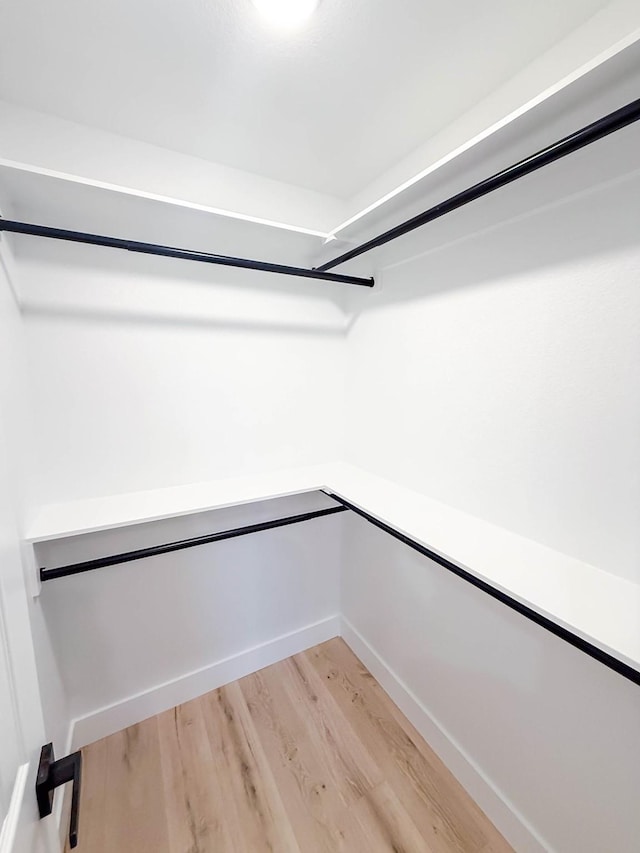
307, 755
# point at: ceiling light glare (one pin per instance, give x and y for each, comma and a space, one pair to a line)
285, 14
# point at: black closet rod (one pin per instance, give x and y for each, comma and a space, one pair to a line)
172, 252
167, 547
585, 136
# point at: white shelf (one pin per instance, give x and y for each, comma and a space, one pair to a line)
459, 157
56, 521
595, 605
64, 201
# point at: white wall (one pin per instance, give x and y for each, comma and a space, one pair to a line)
165, 626
553, 731
26, 631
8, 745
22, 727
151, 373
11, 749
148, 373
497, 370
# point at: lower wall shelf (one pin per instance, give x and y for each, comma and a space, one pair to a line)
595, 611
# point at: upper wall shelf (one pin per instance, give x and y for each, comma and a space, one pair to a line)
44, 199
601, 90
38, 196
615, 121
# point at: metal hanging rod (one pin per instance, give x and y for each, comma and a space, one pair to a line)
168, 547
585, 136
524, 610
172, 252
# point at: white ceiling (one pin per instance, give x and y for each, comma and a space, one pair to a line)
329, 107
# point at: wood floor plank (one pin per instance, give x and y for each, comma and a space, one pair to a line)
445, 813
314, 806
466, 806
385, 826
309, 755
253, 806
193, 790
353, 769
134, 809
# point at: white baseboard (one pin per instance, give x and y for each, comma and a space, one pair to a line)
134, 709
518, 832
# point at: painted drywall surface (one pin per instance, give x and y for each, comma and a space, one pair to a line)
23, 726
11, 748
496, 371
151, 375
556, 732
25, 628
132, 627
